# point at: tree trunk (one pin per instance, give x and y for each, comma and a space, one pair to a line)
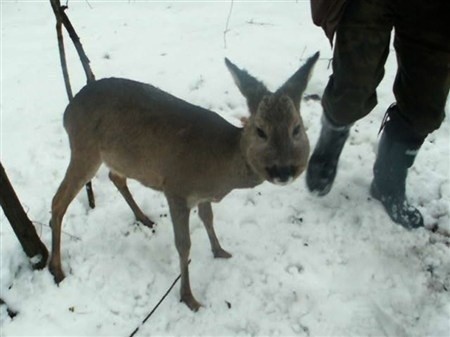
21, 224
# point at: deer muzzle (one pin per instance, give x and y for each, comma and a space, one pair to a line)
281, 175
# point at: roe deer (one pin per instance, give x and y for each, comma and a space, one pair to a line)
191, 154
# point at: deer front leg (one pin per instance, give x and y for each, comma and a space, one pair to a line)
121, 184
206, 215
179, 212
78, 173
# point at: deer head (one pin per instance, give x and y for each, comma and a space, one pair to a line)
274, 138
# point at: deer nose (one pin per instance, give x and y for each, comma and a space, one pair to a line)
281, 175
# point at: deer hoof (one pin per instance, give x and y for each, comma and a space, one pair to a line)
147, 222
191, 302
221, 254
57, 273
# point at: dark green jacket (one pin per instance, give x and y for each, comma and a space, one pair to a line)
327, 14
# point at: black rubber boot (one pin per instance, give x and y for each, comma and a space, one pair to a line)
397, 150
323, 163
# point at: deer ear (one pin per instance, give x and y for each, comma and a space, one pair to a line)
296, 84
252, 89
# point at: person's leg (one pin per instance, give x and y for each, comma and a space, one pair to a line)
361, 49
422, 45
397, 150
421, 88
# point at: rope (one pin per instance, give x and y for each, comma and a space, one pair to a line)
157, 305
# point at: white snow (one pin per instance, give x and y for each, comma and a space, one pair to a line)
302, 265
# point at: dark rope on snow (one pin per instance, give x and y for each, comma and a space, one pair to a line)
157, 305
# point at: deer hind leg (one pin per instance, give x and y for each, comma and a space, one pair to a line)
79, 172
121, 183
206, 215
179, 213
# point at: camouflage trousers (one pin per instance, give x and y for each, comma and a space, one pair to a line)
422, 44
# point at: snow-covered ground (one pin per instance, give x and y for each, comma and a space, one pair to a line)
302, 265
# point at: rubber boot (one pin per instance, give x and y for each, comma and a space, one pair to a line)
323, 163
397, 150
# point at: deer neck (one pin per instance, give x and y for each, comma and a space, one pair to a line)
246, 177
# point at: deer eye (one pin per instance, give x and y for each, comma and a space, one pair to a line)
261, 133
296, 131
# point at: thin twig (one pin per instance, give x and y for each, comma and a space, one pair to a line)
89, 4
252, 22
227, 24
62, 54
76, 41
48, 226
303, 53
